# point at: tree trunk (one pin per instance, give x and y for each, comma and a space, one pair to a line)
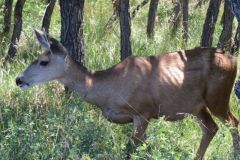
151, 17
137, 8
210, 21
72, 28
17, 29
115, 14
227, 22
200, 3
234, 4
7, 16
175, 19
185, 21
47, 15
125, 28
235, 47
115, 4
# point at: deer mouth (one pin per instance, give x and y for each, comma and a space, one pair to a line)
24, 86
21, 84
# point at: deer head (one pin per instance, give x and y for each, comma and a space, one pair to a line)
48, 66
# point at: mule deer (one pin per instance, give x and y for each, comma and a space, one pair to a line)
197, 82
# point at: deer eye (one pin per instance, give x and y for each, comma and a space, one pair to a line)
43, 63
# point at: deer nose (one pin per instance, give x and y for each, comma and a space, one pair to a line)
18, 81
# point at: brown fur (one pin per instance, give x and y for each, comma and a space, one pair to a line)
170, 85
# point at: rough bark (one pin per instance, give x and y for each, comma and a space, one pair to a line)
125, 28
210, 21
7, 16
47, 15
72, 28
227, 22
175, 19
152, 17
185, 21
17, 29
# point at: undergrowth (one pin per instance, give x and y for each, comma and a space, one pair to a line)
45, 123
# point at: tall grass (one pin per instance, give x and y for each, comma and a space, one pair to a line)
45, 123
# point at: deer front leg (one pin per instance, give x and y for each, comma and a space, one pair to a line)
209, 129
140, 124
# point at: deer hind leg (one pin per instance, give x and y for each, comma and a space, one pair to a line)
140, 124
209, 129
232, 122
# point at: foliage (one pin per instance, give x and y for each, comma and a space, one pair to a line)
45, 123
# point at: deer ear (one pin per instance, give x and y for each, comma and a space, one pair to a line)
56, 47
42, 39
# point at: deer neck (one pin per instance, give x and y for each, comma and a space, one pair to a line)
78, 79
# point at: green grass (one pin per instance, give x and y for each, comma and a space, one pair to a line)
45, 123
